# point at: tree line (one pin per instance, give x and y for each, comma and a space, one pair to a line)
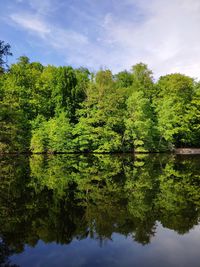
49, 109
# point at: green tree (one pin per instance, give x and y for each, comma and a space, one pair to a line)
143, 79
101, 125
123, 79
54, 135
69, 90
140, 128
141, 134
172, 106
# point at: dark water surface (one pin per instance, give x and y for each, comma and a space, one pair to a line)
103, 210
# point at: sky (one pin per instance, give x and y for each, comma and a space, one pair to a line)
113, 34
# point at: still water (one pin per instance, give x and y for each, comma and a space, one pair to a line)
100, 210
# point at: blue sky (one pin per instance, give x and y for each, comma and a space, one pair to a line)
113, 34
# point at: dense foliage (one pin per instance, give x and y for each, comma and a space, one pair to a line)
62, 109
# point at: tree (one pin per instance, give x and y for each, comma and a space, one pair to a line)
101, 124
54, 135
140, 134
4, 53
143, 79
140, 129
67, 93
14, 132
172, 105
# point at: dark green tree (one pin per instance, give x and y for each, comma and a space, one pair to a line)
4, 53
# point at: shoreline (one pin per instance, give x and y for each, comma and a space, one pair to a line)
177, 151
187, 151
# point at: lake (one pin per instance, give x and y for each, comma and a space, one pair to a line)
100, 210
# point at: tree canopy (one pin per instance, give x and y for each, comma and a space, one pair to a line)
64, 109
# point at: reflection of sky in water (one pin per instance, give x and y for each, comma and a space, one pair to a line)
167, 248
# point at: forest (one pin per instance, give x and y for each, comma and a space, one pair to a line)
57, 109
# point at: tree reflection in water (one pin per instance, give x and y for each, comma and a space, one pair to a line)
59, 198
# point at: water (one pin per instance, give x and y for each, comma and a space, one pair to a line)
103, 210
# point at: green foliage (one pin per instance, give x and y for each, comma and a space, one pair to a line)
67, 92
139, 124
100, 127
14, 126
39, 139
143, 80
54, 135
61, 109
172, 105
123, 79
141, 134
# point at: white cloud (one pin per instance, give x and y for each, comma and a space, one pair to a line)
165, 35
168, 39
31, 23
65, 41
41, 7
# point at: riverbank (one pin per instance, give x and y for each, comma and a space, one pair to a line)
187, 151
